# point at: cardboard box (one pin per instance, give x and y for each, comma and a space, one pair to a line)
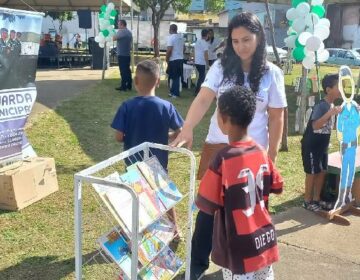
26, 182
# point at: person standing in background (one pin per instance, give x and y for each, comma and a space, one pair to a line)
175, 59
123, 48
214, 45
201, 58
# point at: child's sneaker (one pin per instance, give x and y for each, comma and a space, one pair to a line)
311, 206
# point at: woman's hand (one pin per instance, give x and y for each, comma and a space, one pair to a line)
184, 137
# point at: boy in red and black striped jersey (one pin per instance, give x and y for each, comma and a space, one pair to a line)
235, 189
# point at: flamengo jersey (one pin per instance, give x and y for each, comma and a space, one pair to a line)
236, 188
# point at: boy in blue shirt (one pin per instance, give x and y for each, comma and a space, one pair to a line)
146, 117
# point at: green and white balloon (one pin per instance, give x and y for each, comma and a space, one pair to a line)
308, 28
106, 23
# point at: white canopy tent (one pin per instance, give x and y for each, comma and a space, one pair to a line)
63, 5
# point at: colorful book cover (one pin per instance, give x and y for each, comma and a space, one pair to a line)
146, 194
158, 179
163, 229
149, 248
147, 273
101, 190
116, 247
170, 261
121, 201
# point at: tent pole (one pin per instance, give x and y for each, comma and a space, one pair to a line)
132, 42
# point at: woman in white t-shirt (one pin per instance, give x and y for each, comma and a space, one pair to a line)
214, 45
243, 63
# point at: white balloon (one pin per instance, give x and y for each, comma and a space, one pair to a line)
303, 37
322, 31
111, 6
290, 30
101, 35
309, 53
101, 45
323, 55
317, 2
322, 46
324, 21
303, 9
97, 39
313, 43
290, 41
291, 14
312, 19
308, 62
299, 25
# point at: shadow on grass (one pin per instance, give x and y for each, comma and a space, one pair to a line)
44, 268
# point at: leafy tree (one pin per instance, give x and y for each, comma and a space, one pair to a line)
158, 9
215, 6
61, 17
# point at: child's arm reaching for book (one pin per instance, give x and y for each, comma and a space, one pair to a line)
319, 123
119, 136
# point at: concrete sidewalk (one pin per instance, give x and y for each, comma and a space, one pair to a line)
55, 86
312, 248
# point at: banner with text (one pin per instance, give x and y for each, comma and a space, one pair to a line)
20, 33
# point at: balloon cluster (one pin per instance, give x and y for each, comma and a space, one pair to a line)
308, 29
106, 22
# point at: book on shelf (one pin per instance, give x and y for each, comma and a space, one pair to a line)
101, 190
164, 267
154, 239
115, 244
158, 179
119, 203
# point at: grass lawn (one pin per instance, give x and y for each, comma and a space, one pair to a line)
38, 241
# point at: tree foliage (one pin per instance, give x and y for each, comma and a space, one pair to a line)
215, 5
60, 16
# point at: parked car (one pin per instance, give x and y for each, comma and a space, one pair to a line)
357, 50
343, 57
271, 56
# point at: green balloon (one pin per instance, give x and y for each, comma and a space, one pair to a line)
294, 3
291, 22
112, 21
101, 15
105, 32
319, 10
297, 43
103, 8
113, 13
298, 53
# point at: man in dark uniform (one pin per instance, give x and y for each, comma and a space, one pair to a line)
18, 43
3, 41
11, 43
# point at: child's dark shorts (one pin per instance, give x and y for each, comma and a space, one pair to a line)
314, 161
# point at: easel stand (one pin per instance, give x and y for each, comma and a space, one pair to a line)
336, 215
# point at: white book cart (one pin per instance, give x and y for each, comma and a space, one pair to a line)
88, 176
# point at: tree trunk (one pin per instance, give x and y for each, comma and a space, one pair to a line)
156, 41
155, 20
271, 27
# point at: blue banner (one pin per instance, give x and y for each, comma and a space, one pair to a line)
197, 6
20, 33
232, 5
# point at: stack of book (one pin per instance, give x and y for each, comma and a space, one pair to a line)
157, 194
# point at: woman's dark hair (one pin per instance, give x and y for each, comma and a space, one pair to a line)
212, 39
231, 62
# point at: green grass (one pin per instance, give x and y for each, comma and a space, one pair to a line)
38, 241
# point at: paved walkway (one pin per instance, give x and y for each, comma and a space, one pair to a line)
55, 86
312, 248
